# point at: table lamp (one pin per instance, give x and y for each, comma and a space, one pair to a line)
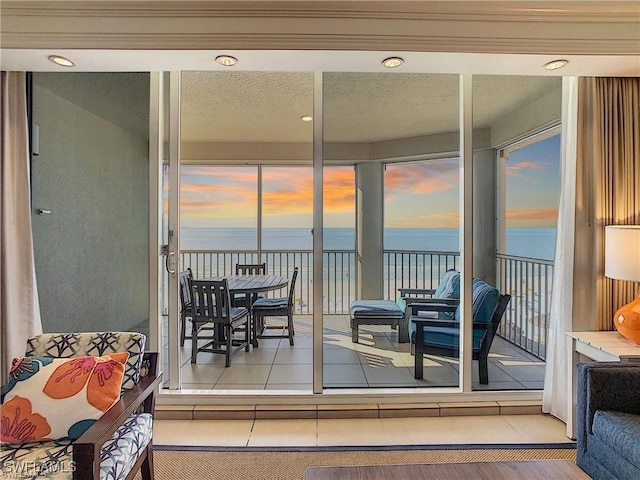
622, 262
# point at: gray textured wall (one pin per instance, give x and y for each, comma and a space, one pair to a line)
91, 252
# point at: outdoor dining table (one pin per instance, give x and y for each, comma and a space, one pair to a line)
250, 285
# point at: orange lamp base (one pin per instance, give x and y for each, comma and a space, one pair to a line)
627, 320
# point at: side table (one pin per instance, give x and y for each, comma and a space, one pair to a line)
599, 347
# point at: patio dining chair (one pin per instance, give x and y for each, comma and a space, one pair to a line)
185, 303
275, 307
211, 304
441, 335
244, 299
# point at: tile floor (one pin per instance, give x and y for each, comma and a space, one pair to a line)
378, 360
500, 429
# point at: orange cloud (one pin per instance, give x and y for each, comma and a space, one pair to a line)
226, 192
295, 193
422, 178
532, 217
434, 220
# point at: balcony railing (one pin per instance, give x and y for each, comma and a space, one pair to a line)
528, 280
412, 269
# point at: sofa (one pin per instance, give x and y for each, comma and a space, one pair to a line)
608, 420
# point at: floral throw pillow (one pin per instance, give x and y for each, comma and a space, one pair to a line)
50, 398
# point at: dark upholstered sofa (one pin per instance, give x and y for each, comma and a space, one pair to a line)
608, 420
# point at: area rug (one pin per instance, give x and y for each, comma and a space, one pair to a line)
280, 464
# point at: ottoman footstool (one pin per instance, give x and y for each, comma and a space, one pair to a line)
377, 312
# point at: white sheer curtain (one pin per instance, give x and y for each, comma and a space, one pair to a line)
560, 318
19, 308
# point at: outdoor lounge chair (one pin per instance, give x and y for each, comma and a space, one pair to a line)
441, 336
396, 314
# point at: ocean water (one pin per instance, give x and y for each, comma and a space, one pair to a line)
525, 242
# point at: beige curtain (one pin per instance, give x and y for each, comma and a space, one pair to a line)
600, 186
19, 308
608, 192
617, 183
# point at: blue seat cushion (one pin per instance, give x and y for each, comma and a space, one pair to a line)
620, 431
449, 286
238, 312
376, 308
271, 302
448, 337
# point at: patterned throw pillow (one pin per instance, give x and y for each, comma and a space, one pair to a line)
52, 398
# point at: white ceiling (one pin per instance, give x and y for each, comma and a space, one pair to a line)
358, 107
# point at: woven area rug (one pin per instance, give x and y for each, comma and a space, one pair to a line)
291, 465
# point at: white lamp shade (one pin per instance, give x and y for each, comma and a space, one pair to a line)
622, 252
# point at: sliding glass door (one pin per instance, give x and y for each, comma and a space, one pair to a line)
399, 134
370, 184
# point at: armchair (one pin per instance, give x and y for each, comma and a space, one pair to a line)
608, 420
113, 447
441, 335
448, 289
447, 293
396, 314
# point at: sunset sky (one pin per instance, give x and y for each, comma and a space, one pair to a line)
417, 195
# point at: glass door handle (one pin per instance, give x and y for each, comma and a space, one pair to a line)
170, 262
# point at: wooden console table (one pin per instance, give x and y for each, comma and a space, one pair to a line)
599, 347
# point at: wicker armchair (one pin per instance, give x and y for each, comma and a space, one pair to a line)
116, 445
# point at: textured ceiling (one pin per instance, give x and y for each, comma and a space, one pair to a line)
267, 106
358, 107
246, 107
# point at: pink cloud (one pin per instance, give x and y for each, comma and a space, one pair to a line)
515, 169
422, 178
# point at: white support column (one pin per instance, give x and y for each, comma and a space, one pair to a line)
484, 215
370, 228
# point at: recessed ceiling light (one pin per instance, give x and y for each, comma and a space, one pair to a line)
306, 118
392, 62
226, 60
62, 61
555, 64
